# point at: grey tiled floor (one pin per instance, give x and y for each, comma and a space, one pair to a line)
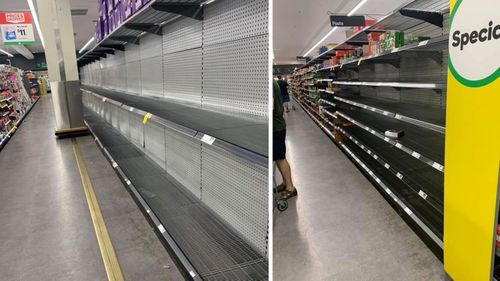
340, 227
46, 232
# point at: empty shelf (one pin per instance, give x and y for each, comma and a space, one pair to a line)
247, 133
428, 117
204, 241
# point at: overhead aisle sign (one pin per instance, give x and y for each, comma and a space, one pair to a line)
472, 153
16, 28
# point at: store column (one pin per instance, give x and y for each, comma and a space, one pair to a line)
60, 53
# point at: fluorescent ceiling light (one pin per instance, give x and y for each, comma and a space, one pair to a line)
360, 4
7, 53
86, 45
35, 19
207, 2
357, 7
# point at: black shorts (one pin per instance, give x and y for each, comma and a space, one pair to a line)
279, 147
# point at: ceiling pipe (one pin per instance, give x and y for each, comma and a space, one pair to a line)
25, 52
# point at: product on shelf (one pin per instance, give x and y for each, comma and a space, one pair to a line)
14, 99
373, 43
391, 40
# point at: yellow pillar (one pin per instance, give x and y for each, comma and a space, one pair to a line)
472, 156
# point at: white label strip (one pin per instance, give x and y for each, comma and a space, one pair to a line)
387, 166
423, 43
416, 154
398, 145
438, 166
161, 228
208, 139
388, 191
408, 211
114, 164
400, 176
128, 182
192, 274
422, 194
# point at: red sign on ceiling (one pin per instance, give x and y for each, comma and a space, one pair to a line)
15, 18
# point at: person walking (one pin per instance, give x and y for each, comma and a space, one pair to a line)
286, 189
284, 93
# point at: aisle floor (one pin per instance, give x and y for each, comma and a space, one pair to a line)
340, 227
46, 230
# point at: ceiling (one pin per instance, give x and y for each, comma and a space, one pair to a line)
299, 25
83, 25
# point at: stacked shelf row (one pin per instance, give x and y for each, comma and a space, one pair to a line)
15, 101
359, 101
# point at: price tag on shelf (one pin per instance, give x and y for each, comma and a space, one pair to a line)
408, 211
398, 145
208, 139
438, 166
114, 164
422, 194
104, 99
161, 228
146, 118
423, 43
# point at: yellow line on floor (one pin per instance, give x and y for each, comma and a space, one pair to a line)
109, 258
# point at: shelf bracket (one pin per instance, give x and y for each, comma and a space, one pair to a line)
146, 27
114, 46
97, 54
194, 11
431, 17
128, 39
105, 51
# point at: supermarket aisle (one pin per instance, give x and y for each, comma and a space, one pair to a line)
47, 231
340, 227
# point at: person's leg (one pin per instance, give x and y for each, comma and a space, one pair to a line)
286, 173
285, 105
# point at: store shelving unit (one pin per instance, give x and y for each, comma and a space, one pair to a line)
358, 100
149, 20
15, 102
182, 118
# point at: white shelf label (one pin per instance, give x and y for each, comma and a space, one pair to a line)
422, 194
398, 145
378, 180
387, 166
397, 116
114, 164
423, 43
161, 228
386, 113
375, 156
408, 211
388, 191
400, 176
192, 274
131, 109
416, 154
438, 166
386, 139
208, 139
128, 182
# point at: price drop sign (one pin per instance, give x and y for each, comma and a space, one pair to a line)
17, 28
